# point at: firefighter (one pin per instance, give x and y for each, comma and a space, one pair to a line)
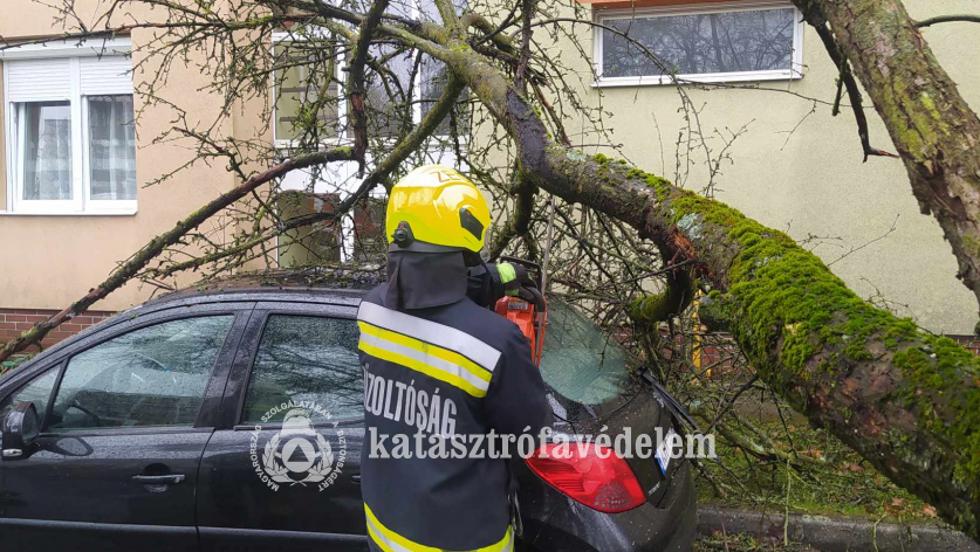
438, 365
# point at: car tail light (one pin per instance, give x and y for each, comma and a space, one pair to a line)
590, 474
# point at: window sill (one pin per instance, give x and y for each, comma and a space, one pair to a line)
287, 145
708, 78
116, 213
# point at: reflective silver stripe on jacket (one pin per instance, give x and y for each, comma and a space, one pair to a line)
432, 332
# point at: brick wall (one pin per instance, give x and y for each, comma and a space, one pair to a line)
15, 321
716, 347
971, 342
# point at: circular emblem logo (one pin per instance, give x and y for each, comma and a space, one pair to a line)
298, 454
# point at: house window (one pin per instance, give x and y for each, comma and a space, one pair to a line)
306, 75
308, 107
308, 79
713, 42
70, 132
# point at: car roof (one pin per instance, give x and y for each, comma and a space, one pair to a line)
315, 284
340, 286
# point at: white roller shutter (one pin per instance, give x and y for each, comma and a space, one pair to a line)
38, 80
106, 75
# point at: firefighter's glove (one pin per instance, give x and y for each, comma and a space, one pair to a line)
518, 283
489, 282
511, 277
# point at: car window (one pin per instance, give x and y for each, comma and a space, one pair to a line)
311, 361
37, 391
154, 376
580, 361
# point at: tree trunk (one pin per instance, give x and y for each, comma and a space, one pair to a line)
935, 131
906, 400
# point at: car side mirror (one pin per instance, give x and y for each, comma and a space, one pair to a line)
20, 428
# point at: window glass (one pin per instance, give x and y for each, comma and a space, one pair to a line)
306, 89
428, 10
72, 137
434, 80
38, 391
580, 361
154, 376
688, 44
44, 140
389, 94
112, 147
306, 359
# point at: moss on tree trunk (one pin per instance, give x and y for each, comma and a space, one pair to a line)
907, 401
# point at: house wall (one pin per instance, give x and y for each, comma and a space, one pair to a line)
48, 261
798, 169
3, 147
795, 168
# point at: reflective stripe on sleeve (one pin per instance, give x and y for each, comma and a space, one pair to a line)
390, 541
431, 332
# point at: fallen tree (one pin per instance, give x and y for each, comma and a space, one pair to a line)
907, 401
935, 131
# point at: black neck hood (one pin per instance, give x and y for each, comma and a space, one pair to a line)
424, 280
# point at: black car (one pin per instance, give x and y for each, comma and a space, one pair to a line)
230, 419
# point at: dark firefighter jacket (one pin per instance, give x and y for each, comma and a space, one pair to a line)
453, 369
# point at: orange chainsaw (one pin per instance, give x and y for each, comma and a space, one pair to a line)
525, 305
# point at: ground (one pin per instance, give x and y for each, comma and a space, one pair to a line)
825, 478
829, 479
742, 543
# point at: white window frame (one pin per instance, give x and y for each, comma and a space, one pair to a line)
298, 180
342, 138
81, 202
286, 143
793, 73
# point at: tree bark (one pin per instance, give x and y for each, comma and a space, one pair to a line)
933, 128
906, 400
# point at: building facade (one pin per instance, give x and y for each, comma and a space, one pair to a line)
753, 121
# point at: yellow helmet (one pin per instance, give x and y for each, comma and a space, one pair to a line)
436, 206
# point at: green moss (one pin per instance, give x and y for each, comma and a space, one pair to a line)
659, 306
930, 106
660, 186
804, 329
14, 361
787, 308
971, 244
649, 309
918, 130
936, 376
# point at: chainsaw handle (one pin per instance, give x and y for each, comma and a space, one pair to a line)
532, 295
528, 265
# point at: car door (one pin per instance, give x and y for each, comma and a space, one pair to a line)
125, 423
283, 474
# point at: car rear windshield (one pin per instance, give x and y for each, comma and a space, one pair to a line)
580, 361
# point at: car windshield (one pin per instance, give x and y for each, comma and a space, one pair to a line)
580, 361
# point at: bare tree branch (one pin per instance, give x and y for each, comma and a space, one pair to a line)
356, 85
947, 19
154, 247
